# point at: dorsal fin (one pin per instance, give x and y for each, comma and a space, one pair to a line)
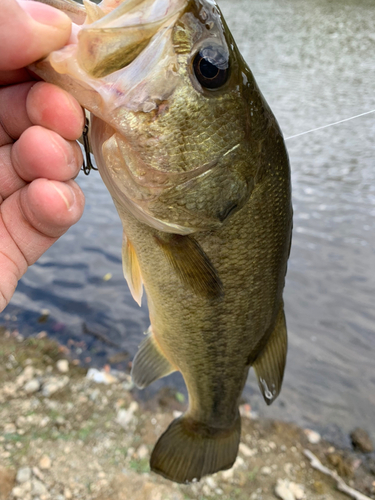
191, 263
132, 271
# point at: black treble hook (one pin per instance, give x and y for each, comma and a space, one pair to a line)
87, 164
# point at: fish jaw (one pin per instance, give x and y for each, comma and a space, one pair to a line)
91, 61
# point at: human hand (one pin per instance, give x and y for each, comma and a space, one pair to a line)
39, 157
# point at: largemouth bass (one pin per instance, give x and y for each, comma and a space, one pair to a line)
197, 167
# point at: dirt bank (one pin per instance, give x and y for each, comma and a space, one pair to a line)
64, 436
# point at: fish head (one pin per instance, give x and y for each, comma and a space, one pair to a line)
178, 121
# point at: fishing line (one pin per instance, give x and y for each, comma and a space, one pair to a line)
330, 125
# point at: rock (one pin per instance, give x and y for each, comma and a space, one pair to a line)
53, 384
206, 490
7, 480
266, 471
23, 475
361, 440
45, 462
25, 376
287, 490
18, 492
227, 475
313, 437
37, 473
68, 494
31, 386
142, 452
283, 491
38, 488
246, 451
62, 365
297, 490
124, 417
240, 462
100, 377
10, 428
211, 483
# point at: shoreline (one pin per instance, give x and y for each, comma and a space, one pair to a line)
68, 434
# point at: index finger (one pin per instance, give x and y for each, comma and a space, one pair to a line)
30, 31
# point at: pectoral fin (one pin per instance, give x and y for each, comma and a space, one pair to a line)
270, 364
192, 265
132, 271
149, 363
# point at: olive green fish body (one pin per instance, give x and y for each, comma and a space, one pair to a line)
197, 167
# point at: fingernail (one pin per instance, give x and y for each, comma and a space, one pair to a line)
65, 191
45, 14
65, 150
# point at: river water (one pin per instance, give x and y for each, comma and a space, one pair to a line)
314, 62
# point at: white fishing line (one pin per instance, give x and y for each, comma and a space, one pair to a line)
330, 125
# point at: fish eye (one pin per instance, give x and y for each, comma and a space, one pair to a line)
211, 67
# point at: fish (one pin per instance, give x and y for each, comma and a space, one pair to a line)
199, 173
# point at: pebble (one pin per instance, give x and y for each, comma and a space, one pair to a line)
297, 490
142, 452
124, 417
240, 462
246, 451
211, 483
287, 490
38, 488
288, 468
100, 377
10, 428
62, 365
266, 471
31, 386
45, 462
18, 492
313, 437
25, 376
68, 494
361, 440
206, 490
23, 475
227, 475
53, 384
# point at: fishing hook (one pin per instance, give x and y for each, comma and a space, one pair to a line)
87, 164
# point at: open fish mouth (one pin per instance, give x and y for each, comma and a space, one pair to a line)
119, 55
109, 42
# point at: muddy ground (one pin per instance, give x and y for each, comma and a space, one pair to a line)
66, 436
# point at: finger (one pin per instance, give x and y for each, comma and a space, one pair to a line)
14, 76
30, 222
40, 152
30, 32
38, 214
13, 114
53, 108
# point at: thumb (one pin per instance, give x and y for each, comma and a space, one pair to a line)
29, 31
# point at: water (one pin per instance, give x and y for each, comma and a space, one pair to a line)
314, 63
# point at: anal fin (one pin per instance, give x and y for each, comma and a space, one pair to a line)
132, 271
191, 264
270, 364
149, 363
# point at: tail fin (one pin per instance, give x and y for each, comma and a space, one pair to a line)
190, 450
